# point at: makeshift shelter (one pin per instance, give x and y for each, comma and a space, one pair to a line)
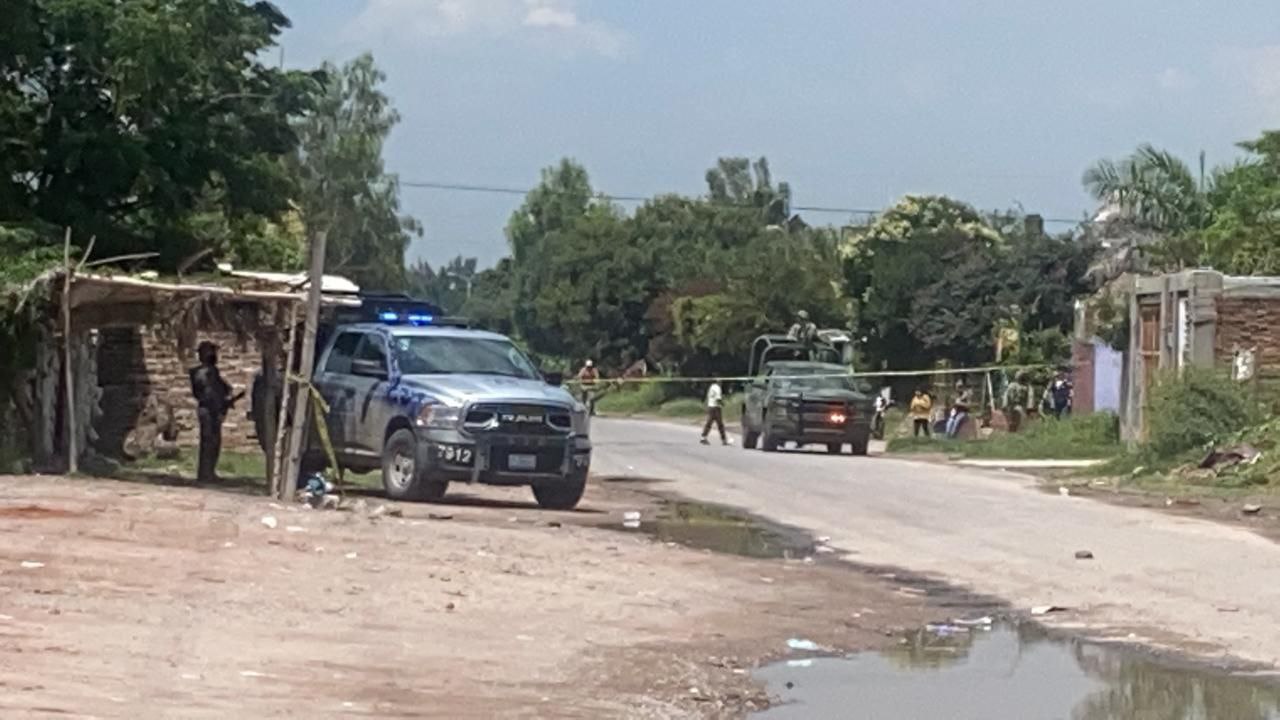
130, 344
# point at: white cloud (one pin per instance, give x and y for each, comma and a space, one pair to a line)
556, 20
542, 16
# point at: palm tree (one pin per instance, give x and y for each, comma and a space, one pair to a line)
1152, 188
1153, 206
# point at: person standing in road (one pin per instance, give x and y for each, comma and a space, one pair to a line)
213, 400
715, 413
588, 376
921, 411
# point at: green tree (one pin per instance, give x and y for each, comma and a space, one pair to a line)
890, 263
124, 118
738, 181
1244, 237
450, 286
344, 186
1153, 187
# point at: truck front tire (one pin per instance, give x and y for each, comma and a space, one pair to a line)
403, 476
562, 494
861, 445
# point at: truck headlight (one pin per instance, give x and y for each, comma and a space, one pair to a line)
439, 417
581, 420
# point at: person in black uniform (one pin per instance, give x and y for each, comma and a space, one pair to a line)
213, 400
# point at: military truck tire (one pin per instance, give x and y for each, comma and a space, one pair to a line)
750, 438
861, 445
834, 448
401, 477
768, 442
561, 494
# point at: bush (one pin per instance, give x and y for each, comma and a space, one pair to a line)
1194, 409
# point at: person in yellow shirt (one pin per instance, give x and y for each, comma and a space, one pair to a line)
921, 409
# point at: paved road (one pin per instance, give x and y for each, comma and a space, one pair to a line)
1195, 585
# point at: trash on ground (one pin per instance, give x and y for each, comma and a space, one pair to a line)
631, 515
315, 490
351, 556
945, 629
1084, 555
1046, 609
1064, 491
295, 529
631, 524
823, 549
824, 539
1218, 460
32, 565
447, 516
270, 521
986, 621
1251, 509
803, 645
804, 663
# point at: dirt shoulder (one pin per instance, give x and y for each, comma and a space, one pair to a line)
129, 600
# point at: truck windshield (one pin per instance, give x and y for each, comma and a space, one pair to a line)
817, 382
451, 355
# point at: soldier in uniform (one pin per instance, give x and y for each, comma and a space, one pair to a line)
213, 400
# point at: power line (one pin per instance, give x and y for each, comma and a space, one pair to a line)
500, 190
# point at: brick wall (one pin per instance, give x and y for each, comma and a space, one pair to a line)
1248, 322
140, 373
1082, 376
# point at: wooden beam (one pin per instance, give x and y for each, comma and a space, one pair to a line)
302, 393
73, 451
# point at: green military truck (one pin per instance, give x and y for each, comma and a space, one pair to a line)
804, 394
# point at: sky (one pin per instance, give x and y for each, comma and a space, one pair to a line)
1001, 103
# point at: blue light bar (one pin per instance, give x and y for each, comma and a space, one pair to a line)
389, 316
420, 319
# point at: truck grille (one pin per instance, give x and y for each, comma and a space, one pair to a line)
819, 412
518, 420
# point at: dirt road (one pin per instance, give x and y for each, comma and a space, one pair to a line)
133, 601
1180, 583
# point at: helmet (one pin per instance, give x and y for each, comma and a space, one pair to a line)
207, 352
803, 314
591, 363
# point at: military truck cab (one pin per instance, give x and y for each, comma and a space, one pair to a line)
804, 394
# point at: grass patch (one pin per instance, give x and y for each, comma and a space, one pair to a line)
248, 465
1083, 437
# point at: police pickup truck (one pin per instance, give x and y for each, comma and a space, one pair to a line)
430, 402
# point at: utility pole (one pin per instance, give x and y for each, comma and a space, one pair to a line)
301, 388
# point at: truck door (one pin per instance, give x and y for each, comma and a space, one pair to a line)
756, 390
334, 381
368, 414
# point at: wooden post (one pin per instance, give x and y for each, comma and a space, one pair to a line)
73, 451
281, 434
302, 395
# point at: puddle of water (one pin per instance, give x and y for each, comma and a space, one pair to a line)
1010, 673
709, 527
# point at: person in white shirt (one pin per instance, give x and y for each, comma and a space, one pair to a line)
715, 413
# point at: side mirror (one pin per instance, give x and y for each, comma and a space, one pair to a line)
369, 369
554, 378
